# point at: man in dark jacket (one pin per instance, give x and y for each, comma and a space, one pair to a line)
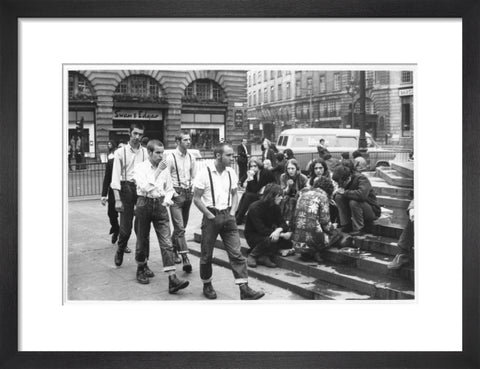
265, 229
242, 160
355, 199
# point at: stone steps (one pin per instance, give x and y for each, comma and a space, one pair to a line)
305, 286
375, 253
404, 168
346, 276
369, 261
382, 188
394, 178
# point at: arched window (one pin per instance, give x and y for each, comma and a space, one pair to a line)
139, 88
204, 91
79, 87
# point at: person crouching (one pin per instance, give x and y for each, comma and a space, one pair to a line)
265, 229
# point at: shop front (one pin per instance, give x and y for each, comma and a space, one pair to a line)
123, 118
206, 128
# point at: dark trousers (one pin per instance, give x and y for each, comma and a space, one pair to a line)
262, 245
225, 226
128, 195
112, 213
242, 170
152, 211
180, 211
247, 199
406, 241
354, 212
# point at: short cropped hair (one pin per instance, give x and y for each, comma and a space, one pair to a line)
346, 155
152, 143
220, 148
137, 125
182, 133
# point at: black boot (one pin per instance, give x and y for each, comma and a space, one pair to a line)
175, 284
187, 267
148, 272
246, 293
141, 277
209, 291
118, 257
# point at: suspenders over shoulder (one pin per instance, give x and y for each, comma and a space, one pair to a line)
176, 166
213, 191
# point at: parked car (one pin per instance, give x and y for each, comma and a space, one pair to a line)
304, 141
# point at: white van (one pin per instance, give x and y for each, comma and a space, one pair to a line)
304, 141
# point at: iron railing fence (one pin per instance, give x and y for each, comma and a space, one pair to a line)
87, 178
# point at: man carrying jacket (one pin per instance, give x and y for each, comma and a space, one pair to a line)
356, 201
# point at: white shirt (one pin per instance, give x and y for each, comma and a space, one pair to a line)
126, 154
147, 185
221, 184
186, 168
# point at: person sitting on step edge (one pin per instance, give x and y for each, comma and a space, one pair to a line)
265, 229
356, 201
405, 243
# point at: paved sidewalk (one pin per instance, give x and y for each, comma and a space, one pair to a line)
92, 274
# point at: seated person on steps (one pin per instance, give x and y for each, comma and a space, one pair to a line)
311, 222
405, 243
356, 201
265, 230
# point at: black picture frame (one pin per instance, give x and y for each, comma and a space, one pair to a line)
10, 11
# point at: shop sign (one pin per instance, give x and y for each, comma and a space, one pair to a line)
137, 114
238, 118
405, 92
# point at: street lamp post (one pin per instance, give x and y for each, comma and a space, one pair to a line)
362, 143
352, 90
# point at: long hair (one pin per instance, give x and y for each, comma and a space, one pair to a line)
271, 191
114, 146
293, 162
256, 161
289, 154
311, 169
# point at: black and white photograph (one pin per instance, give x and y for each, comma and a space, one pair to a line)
259, 192
270, 182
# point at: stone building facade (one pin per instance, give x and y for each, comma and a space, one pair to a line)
210, 104
282, 99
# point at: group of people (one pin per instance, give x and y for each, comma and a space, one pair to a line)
296, 213
142, 185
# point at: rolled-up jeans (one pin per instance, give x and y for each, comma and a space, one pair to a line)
224, 225
128, 195
180, 211
148, 211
